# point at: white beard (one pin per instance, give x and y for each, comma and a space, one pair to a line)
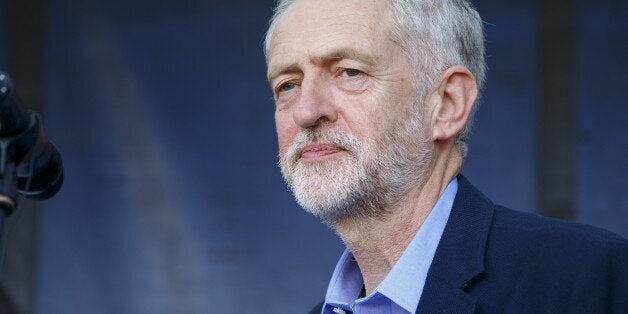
363, 180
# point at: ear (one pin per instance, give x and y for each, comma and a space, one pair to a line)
452, 102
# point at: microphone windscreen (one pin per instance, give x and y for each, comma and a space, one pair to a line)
47, 175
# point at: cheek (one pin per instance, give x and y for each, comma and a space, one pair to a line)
366, 115
286, 130
390, 106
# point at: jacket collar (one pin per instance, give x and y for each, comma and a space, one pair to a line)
459, 258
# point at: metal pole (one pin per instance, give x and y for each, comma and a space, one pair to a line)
25, 34
556, 132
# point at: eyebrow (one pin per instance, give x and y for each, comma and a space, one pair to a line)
344, 53
282, 69
326, 58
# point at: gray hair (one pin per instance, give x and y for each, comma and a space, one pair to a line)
434, 34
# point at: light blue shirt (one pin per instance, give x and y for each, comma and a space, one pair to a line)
400, 291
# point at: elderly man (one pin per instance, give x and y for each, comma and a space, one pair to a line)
374, 100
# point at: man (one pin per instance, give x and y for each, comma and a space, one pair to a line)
374, 101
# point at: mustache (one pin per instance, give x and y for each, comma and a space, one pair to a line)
329, 136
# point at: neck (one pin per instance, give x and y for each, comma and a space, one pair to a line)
376, 242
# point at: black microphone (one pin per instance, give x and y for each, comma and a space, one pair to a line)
28, 162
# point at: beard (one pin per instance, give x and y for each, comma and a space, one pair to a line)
367, 177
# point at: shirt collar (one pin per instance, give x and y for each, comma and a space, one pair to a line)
346, 282
404, 283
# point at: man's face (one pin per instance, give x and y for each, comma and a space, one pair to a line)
350, 132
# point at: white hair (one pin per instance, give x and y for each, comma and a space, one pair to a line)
435, 35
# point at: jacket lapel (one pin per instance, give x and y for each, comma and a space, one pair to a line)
459, 258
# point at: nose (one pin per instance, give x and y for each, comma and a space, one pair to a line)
315, 104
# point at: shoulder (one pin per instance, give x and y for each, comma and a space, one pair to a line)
528, 263
513, 234
536, 233
552, 245
550, 262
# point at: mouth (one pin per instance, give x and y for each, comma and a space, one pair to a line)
317, 152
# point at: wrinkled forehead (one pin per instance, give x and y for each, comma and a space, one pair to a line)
317, 24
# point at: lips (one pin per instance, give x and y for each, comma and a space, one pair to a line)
319, 151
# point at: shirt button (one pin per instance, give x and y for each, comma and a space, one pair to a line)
338, 310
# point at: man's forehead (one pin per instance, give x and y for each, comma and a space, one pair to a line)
280, 65
323, 30
345, 10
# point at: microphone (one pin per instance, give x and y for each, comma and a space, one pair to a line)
29, 164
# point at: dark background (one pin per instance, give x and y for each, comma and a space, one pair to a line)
173, 201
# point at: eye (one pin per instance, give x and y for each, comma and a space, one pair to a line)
352, 80
286, 90
285, 87
351, 72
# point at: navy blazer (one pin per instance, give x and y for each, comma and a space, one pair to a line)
495, 260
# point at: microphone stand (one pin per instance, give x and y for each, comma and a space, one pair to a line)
9, 197
30, 166
8, 184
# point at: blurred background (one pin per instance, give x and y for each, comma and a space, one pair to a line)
173, 201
